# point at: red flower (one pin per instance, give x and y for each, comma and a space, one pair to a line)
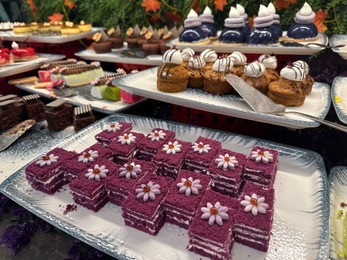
57, 17
219, 4
70, 4
280, 4
319, 19
151, 5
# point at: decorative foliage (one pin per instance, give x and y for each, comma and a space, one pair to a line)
319, 19
219, 4
151, 5
284, 4
57, 17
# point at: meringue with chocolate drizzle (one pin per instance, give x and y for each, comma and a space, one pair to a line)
255, 69
291, 72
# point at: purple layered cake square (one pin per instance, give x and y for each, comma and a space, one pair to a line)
45, 174
112, 131
184, 197
226, 171
143, 208
170, 157
261, 166
211, 231
120, 184
201, 154
84, 159
149, 146
88, 189
253, 219
124, 146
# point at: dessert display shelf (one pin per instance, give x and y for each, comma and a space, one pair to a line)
339, 97
28, 147
20, 67
144, 83
301, 191
295, 49
338, 209
338, 39
122, 55
49, 38
81, 96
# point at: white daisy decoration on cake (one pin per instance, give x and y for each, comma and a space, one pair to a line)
126, 138
261, 156
156, 135
189, 186
201, 147
47, 160
172, 147
148, 191
130, 170
214, 213
254, 204
97, 173
88, 156
226, 162
114, 127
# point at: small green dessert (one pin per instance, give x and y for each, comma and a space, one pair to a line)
112, 93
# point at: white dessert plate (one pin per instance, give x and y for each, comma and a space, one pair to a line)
301, 212
144, 83
24, 66
257, 49
338, 194
103, 106
122, 55
11, 36
338, 39
339, 97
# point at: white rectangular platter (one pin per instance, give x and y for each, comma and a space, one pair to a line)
11, 36
24, 66
116, 56
301, 203
257, 49
103, 106
339, 97
144, 83
338, 195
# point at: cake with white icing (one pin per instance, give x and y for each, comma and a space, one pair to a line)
270, 63
234, 28
193, 33
239, 61
207, 23
195, 71
255, 75
209, 57
276, 20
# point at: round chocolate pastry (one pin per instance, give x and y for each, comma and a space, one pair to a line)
207, 23
234, 28
99, 45
303, 27
262, 33
192, 29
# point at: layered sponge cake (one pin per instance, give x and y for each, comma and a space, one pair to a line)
112, 131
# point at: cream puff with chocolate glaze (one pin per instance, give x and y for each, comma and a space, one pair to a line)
309, 80
195, 73
255, 76
239, 61
270, 62
210, 58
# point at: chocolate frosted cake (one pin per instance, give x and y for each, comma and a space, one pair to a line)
11, 111
83, 116
59, 115
34, 107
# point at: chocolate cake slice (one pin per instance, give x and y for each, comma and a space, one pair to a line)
34, 107
11, 112
83, 116
59, 115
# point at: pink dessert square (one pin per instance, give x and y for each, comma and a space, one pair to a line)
89, 188
45, 173
143, 208
112, 131
261, 166
184, 197
171, 156
124, 146
226, 171
206, 236
200, 155
253, 219
120, 184
153, 141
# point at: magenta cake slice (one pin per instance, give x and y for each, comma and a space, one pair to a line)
143, 208
226, 171
201, 154
45, 174
112, 131
261, 166
149, 145
170, 157
184, 197
211, 231
253, 219
84, 159
89, 188
120, 184
124, 146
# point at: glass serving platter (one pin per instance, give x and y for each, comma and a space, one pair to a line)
301, 203
144, 83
